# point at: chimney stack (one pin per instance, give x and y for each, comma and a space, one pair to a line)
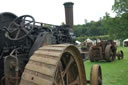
69, 13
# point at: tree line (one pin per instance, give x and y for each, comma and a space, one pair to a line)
116, 27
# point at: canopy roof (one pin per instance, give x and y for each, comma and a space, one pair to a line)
88, 40
125, 40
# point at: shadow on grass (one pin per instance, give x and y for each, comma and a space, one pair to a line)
102, 62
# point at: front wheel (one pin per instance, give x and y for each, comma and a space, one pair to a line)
120, 55
96, 75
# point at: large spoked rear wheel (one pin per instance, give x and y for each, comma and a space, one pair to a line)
96, 75
109, 54
55, 65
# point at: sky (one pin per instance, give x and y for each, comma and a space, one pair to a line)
52, 11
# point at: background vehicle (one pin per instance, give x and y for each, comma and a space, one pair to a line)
104, 50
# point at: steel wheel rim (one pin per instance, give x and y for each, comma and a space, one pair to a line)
96, 75
43, 65
65, 71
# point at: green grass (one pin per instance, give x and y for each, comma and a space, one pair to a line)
113, 73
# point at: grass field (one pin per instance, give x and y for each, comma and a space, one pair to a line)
113, 73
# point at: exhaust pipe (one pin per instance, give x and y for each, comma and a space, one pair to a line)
69, 13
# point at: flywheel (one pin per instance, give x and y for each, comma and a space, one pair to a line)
55, 65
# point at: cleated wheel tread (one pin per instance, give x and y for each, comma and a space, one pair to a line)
48, 66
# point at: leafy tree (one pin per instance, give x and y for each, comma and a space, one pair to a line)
120, 7
90, 29
120, 22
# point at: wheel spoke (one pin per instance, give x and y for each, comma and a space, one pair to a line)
62, 80
24, 18
23, 22
67, 78
25, 30
14, 30
55, 83
29, 22
75, 82
65, 71
68, 66
17, 34
16, 24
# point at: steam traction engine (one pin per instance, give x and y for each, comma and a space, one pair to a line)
34, 53
105, 50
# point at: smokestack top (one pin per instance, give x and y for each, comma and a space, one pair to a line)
68, 4
69, 13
